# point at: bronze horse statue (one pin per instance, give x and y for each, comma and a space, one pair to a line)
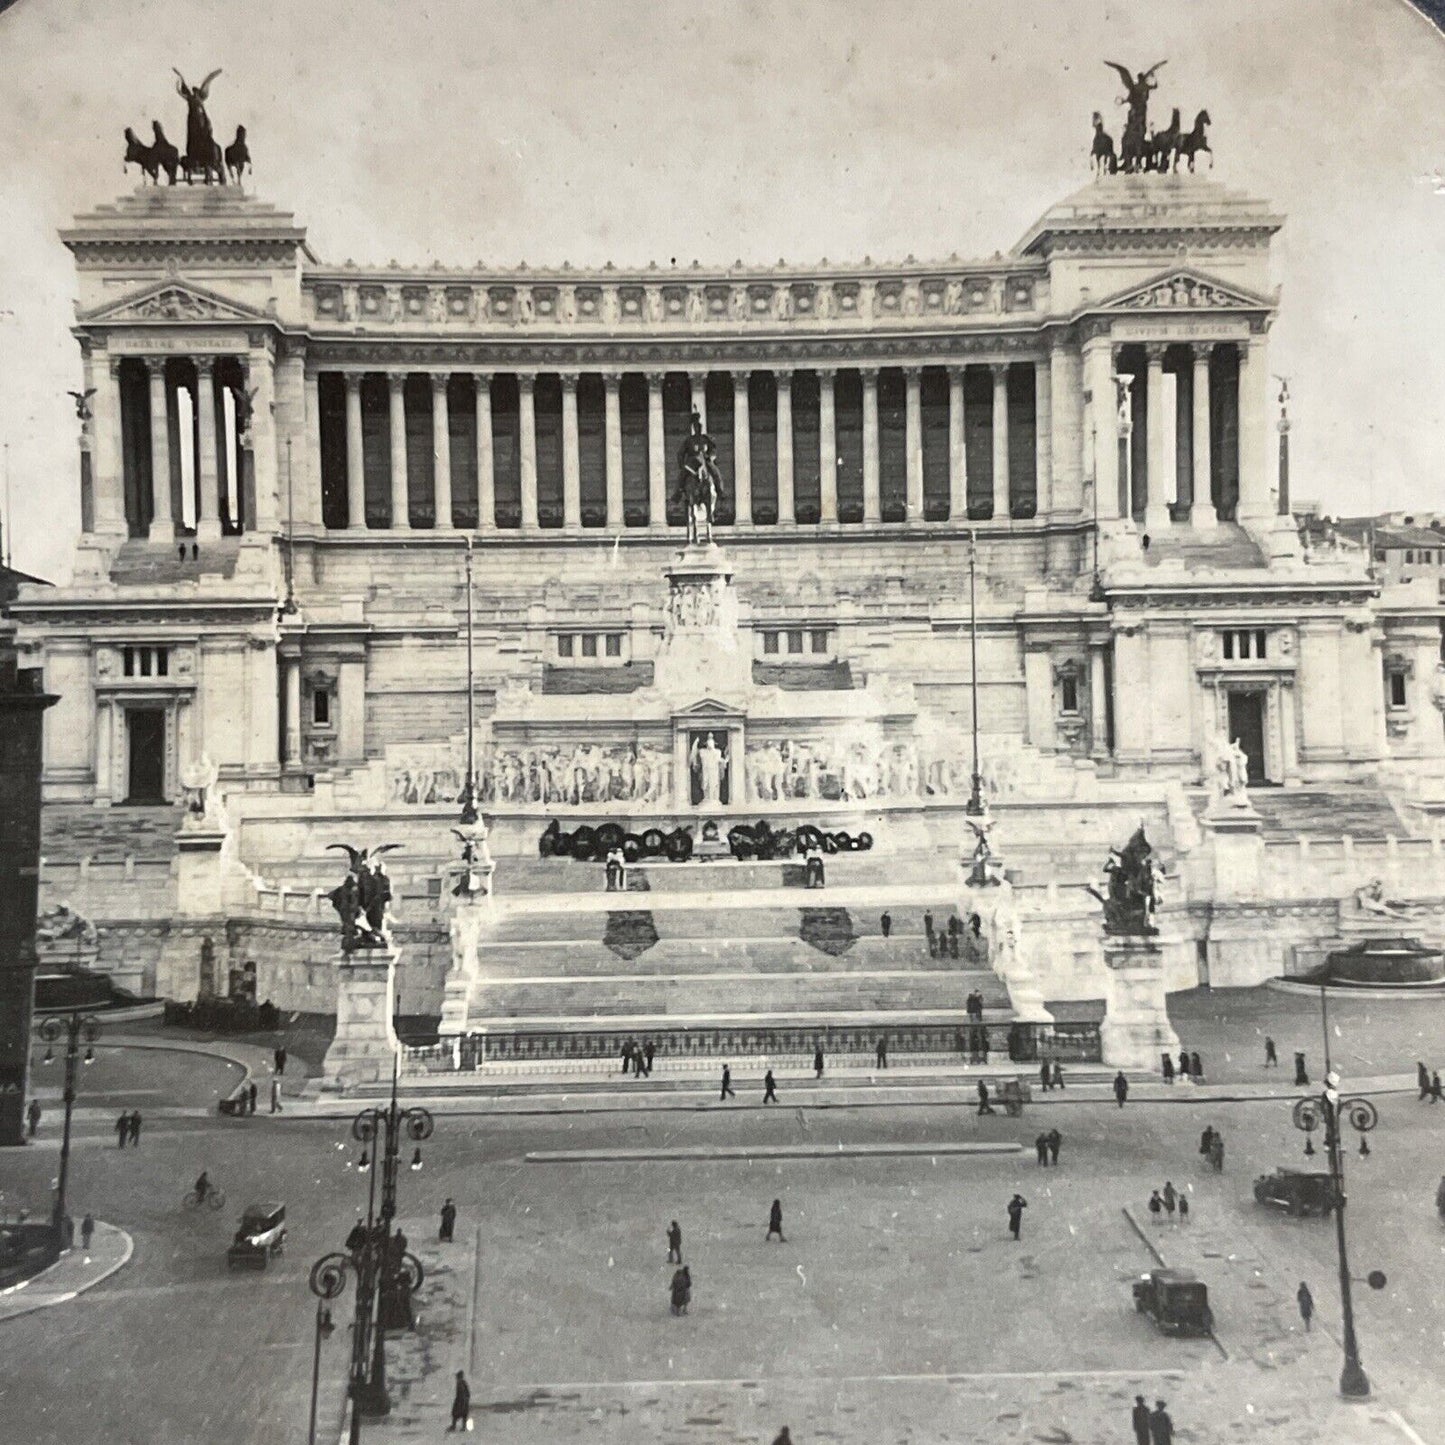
1102, 157
1196, 140
1164, 146
159, 156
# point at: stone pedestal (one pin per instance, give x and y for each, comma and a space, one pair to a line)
365, 1045
200, 912
1236, 840
1136, 1028
468, 922
700, 653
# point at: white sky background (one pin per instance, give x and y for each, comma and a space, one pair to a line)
652, 129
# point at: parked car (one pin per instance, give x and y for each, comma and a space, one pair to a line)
261, 1237
1176, 1300
1297, 1191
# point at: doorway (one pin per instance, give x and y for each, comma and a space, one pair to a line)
1246, 727
146, 781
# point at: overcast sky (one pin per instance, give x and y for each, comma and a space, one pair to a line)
661, 129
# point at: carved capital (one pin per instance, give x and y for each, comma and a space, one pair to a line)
352, 381
740, 381
483, 381
205, 365
569, 383
439, 380
611, 382
655, 379
526, 380
1154, 353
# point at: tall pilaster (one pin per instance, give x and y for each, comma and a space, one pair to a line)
1043, 436
999, 369
400, 503
787, 513
527, 450
259, 458
913, 441
1160, 484
486, 475
827, 447
1254, 498
571, 455
1102, 420
108, 481
163, 528
308, 472
293, 711
1201, 511
612, 450
742, 451
957, 449
872, 492
656, 455
208, 522
441, 452
355, 466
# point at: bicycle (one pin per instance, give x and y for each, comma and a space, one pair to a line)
216, 1198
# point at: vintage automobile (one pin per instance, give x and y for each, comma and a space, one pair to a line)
1177, 1300
1296, 1191
261, 1236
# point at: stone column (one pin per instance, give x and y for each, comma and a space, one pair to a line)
957, 449
1067, 423
827, 448
913, 442
527, 450
441, 452
208, 522
309, 473
107, 482
1043, 436
400, 503
872, 499
786, 512
1159, 483
355, 465
571, 457
656, 455
999, 370
698, 381
1201, 511
1098, 703
293, 711
612, 454
742, 451
1103, 423
1254, 499
163, 527
259, 461
486, 475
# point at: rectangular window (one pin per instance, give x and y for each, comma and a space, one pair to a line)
145, 661
128, 660
770, 642
820, 642
1410, 558
1229, 647
1069, 693
564, 644
1397, 689
163, 661
1259, 644
589, 644
795, 642
321, 707
614, 644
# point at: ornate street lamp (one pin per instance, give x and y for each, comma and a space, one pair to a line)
76, 1027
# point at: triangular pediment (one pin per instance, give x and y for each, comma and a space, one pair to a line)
708, 707
1180, 289
171, 301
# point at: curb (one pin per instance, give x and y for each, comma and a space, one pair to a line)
45, 1304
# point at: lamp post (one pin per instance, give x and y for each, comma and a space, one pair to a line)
74, 1028
324, 1328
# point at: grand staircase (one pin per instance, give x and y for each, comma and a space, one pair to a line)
1365, 814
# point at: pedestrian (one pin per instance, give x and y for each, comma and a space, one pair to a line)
1300, 1076
649, 1052
1161, 1427
1156, 1207
1171, 1198
1041, 1144
1058, 1079
1139, 1416
32, 1117
122, 1129
135, 1128
1196, 1069
461, 1404
1044, 1075
1271, 1057
775, 1222
1422, 1080
770, 1088
251, 1097
885, 923
1055, 1139
680, 1291
1435, 1092
1184, 1209
1216, 1152
1206, 1140
727, 1085
449, 1222
87, 1229
1306, 1304
953, 938
928, 931
275, 1094
818, 1062
783, 1437
881, 1053
627, 1056
279, 1057
1016, 1207
1121, 1087
1167, 1064
674, 1243
1183, 1064
984, 1107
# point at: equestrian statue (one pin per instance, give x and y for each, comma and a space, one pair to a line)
699, 481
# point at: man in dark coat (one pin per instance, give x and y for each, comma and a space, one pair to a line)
674, 1243
32, 1117
1301, 1075
818, 1062
649, 1052
727, 1085
122, 1129
1044, 1075
1016, 1207
1041, 1144
461, 1403
775, 1222
885, 923
1161, 1427
449, 1222
135, 1128
928, 930
881, 1053
280, 1059
1306, 1304
770, 1088
1055, 1139
1167, 1066
251, 1097
984, 1107
1121, 1087
1139, 1415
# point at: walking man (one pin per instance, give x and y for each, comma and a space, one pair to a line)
775, 1222
885, 923
674, 1243
1121, 1087
1196, 1069
122, 1129
135, 1128
727, 1085
251, 1097
87, 1229
1016, 1207
1183, 1064
449, 1222
882, 1053
1161, 1427
461, 1404
1054, 1140
1306, 1304
1041, 1144
1058, 1077
1156, 1206
984, 1107
627, 1048
1422, 1079
1435, 1091
928, 930
1184, 1209
1300, 1076
1271, 1058
280, 1058
770, 1088
1170, 1200
1044, 1075
649, 1050
818, 1062
32, 1117
1139, 1415
1167, 1065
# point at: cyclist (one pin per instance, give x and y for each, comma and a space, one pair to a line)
203, 1186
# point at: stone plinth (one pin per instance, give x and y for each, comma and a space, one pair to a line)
199, 887
365, 1045
1136, 1028
473, 914
1236, 839
700, 654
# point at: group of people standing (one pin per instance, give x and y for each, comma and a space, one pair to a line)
945, 942
1429, 1083
127, 1129
1190, 1069
1048, 1148
1163, 1203
637, 1058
